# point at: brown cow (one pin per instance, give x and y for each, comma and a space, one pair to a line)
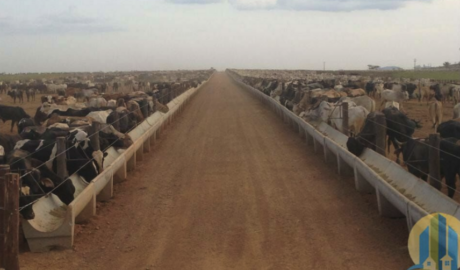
134, 108
354, 92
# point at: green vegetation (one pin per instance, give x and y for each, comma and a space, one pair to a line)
28, 76
440, 75
431, 74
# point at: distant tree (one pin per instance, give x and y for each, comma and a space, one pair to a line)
371, 67
446, 64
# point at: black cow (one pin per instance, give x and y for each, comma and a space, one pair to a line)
288, 94
15, 114
43, 133
8, 142
388, 85
410, 87
40, 87
144, 106
16, 94
450, 163
61, 92
449, 129
19, 86
102, 87
30, 94
437, 91
37, 182
352, 85
115, 87
267, 90
25, 122
399, 128
3, 88
370, 87
78, 85
107, 139
127, 121
40, 116
79, 154
416, 156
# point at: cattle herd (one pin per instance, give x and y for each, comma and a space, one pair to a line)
69, 108
319, 97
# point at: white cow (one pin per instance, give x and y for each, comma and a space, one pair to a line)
435, 112
392, 95
100, 116
455, 93
379, 87
112, 103
394, 104
96, 102
331, 113
364, 101
56, 87
457, 111
71, 101
89, 92
445, 91
338, 87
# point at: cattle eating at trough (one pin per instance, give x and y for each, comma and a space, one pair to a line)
318, 97
68, 109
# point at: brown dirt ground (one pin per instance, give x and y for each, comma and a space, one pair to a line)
229, 186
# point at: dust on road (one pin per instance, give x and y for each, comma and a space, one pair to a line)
230, 186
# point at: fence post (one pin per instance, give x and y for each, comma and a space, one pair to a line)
94, 135
61, 159
434, 163
11, 237
4, 169
380, 129
345, 118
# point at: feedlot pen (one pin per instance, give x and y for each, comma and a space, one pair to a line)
230, 186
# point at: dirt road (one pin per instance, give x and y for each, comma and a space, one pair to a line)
229, 186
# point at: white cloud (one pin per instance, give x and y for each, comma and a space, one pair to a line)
195, 1
254, 4
156, 34
64, 22
317, 5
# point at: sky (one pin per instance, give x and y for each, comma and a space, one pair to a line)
116, 35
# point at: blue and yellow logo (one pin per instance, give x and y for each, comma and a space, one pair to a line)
434, 242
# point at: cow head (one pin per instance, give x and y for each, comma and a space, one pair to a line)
32, 183
354, 146
49, 180
40, 114
25, 122
28, 188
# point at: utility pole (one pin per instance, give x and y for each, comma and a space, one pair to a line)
324, 66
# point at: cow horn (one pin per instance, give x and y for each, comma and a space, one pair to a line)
398, 142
